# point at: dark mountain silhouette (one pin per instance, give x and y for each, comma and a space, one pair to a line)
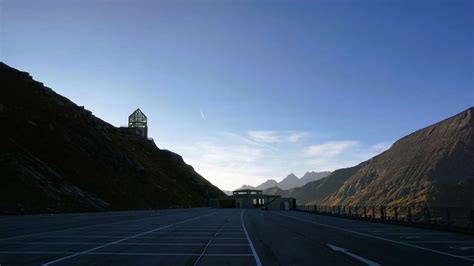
434, 166
291, 181
58, 157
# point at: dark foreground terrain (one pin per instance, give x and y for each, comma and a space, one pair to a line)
222, 237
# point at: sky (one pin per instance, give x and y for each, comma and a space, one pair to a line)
251, 90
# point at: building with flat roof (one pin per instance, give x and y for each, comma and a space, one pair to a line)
253, 198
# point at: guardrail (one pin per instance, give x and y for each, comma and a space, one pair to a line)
440, 218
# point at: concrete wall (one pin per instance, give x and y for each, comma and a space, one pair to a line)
283, 204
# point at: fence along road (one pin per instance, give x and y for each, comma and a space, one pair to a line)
224, 237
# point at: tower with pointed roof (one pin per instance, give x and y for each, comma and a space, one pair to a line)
138, 121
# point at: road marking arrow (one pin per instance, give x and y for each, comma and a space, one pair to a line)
462, 248
357, 257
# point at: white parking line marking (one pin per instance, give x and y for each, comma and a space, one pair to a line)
411, 234
184, 237
131, 253
376, 237
123, 239
410, 237
126, 243
462, 248
90, 226
440, 241
191, 233
257, 259
207, 245
142, 237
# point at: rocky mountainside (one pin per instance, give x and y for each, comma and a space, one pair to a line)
291, 181
58, 157
316, 190
434, 166
312, 176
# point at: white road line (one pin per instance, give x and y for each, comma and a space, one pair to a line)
191, 233
207, 245
377, 237
142, 237
257, 259
184, 237
123, 239
131, 254
410, 234
125, 243
440, 241
410, 237
201, 230
90, 226
462, 248
357, 257
206, 226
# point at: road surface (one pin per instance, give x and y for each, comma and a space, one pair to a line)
222, 237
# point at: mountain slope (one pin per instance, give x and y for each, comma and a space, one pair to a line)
59, 157
434, 165
312, 176
419, 168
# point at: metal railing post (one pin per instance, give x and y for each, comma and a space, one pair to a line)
448, 216
426, 215
472, 219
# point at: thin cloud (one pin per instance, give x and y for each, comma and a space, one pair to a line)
202, 114
268, 136
297, 136
264, 136
330, 149
247, 140
333, 155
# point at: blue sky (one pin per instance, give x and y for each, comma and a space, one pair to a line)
250, 90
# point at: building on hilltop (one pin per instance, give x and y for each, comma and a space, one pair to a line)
137, 125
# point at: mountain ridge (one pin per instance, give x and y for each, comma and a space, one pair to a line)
290, 181
58, 157
432, 165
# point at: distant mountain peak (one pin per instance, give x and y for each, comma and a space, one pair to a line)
291, 176
290, 181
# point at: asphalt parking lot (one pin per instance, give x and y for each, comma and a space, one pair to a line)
222, 237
